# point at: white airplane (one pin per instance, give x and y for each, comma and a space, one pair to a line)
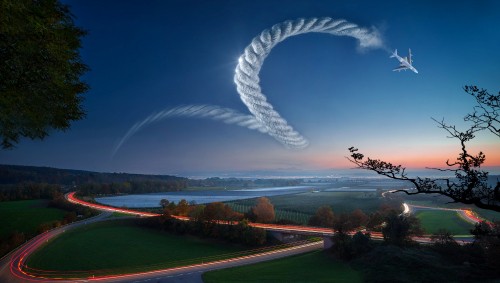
405, 62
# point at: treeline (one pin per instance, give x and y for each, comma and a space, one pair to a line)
13, 174
25, 191
132, 187
214, 220
243, 183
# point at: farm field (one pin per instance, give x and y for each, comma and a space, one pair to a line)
433, 220
300, 207
26, 215
315, 266
120, 246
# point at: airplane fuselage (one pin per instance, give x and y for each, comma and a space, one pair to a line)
404, 62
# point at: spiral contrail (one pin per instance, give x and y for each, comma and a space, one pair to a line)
264, 118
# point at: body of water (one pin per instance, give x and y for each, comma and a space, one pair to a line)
203, 196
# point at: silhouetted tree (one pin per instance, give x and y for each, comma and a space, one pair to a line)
164, 202
487, 236
361, 243
470, 184
443, 237
375, 221
358, 218
342, 223
399, 228
342, 246
40, 71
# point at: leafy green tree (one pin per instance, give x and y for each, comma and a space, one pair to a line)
40, 72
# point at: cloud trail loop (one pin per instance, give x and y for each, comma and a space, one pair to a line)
264, 118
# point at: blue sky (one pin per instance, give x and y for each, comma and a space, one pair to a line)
146, 56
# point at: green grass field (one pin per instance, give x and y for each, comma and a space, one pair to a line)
310, 267
445, 203
26, 215
433, 220
120, 246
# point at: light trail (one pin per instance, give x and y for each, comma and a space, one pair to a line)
264, 117
20, 270
71, 198
466, 214
406, 209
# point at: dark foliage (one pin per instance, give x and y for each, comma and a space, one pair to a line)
348, 247
25, 191
215, 220
40, 71
26, 182
399, 229
487, 236
239, 233
13, 174
389, 263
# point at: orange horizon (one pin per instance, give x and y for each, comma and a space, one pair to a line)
418, 159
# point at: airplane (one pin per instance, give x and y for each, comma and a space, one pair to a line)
405, 61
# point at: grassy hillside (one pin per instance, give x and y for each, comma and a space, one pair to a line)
310, 267
433, 220
120, 246
25, 216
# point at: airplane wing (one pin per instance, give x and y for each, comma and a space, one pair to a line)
409, 56
400, 68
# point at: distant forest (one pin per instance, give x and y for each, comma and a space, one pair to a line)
13, 174
29, 182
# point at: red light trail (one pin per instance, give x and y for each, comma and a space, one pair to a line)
20, 270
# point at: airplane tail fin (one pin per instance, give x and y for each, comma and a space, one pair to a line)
394, 54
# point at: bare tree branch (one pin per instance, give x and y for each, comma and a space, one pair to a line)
470, 183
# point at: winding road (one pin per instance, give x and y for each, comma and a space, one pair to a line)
11, 266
